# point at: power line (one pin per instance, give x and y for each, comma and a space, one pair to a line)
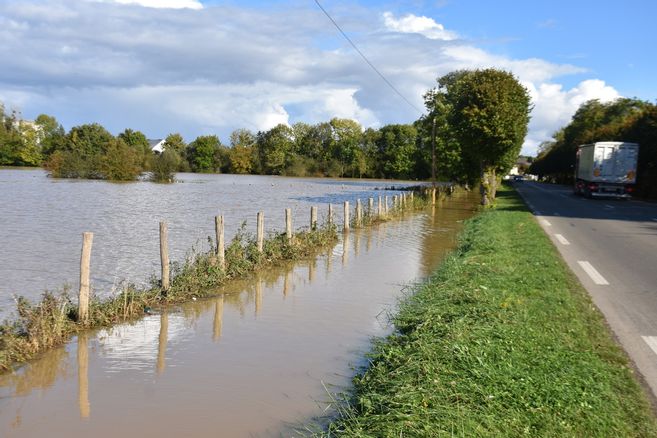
367, 60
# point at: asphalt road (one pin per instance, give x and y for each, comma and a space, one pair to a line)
611, 245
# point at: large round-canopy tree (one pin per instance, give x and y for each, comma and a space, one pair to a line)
488, 116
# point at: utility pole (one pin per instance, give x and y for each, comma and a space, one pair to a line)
433, 151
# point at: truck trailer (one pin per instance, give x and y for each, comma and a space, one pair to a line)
606, 169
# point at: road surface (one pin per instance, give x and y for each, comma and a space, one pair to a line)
611, 245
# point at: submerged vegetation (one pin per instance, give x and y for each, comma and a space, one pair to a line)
501, 341
52, 321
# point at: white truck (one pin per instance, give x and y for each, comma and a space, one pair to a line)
606, 169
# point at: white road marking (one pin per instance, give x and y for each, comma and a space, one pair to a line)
651, 341
562, 239
546, 222
593, 273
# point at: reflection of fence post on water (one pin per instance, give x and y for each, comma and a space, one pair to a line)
162, 339
83, 375
218, 318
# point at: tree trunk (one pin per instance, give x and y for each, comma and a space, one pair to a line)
484, 185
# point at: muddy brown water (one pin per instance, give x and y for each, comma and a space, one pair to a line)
258, 360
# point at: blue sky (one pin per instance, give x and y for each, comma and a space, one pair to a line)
210, 67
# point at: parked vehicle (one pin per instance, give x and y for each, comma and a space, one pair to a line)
606, 169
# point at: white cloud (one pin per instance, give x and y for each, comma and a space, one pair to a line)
166, 4
223, 67
422, 25
554, 107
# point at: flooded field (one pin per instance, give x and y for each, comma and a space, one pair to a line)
42, 219
255, 361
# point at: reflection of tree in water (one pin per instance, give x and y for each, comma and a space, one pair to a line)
40, 374
443, 222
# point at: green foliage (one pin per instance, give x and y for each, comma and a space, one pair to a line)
502, 341
164, 166
202, 153
120, 162
397, 147
275, 149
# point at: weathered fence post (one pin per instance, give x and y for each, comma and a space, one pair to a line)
221, 243
433, 196
394, 202
330, 214
85, 270
164, 254
260, 234
313, 218
288, 224
346, 215
385, 206
370, 207
380, 206
359, 214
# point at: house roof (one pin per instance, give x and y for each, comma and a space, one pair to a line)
157, 145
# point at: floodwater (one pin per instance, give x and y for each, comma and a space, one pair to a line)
42, 220
258, 360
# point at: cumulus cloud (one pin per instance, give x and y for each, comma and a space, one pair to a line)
212, 70
418, 24
554, 107
168, 4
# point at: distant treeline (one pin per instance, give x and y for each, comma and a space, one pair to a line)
338, 148
477, 121
629, 120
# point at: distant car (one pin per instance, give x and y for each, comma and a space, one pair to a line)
518, 178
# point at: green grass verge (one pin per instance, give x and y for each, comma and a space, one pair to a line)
502, 341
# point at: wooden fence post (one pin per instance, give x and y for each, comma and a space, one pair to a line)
370, 207
313, 218
221, 243
433, 196
288, 224
330, 214
164, 255
260, 234
85, 270
346, 215
385, 206
380, 206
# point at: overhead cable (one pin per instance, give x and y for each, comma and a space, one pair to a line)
367, 60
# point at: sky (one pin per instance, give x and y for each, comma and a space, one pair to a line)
209, 67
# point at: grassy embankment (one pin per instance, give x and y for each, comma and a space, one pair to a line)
501, 341
53, 320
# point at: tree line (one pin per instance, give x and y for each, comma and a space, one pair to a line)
624, 119
475, 124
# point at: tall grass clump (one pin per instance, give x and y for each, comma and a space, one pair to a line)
502, 341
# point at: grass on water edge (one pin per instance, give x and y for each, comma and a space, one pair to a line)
53, 320
502, 341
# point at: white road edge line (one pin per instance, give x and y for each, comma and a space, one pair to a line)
593, 273
546, 222
562, 239
651, 341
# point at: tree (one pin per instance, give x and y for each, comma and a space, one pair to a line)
275, 149
241, 154
201, 153
53, 135
121, 162
138, 141
489, 114
345, 146
397, 150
